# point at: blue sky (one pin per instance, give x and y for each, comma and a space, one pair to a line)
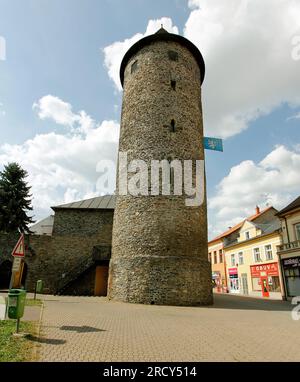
61, 60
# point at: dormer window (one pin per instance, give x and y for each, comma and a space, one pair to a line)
247, 235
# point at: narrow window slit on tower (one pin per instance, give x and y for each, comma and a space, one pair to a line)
134, 66
172, 125
173, 84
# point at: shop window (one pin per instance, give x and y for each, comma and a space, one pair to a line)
221, 256
256, 253
215, 257
173, 56
232, 259
241, 258
268, 252
256, 284
274, 284
134, 66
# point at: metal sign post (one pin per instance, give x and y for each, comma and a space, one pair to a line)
18, 253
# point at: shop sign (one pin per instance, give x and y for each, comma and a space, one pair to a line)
292, 262
216, 275
233, 273
264, 270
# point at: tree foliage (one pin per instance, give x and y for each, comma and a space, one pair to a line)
15, 199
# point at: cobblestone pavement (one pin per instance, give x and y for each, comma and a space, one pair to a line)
234, 329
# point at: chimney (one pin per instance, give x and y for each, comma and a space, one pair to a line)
257, 210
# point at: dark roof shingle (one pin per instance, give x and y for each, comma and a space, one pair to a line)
99, 202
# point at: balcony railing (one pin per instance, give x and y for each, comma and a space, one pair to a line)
288, 246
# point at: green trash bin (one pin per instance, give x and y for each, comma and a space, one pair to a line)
39, 286
16, 303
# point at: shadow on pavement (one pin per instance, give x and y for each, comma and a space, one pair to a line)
82, 329
50, 341
224, 301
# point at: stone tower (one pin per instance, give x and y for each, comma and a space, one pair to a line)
159, 245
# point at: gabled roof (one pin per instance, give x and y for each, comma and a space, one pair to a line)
266, 229
239, 225
99, 202
43, 227
295, 204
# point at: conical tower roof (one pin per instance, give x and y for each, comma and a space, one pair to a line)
163, 35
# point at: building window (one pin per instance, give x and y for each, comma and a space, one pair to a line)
241, 258
257, 257
268, 252
233, 259
173, 56
215, 257
221, 256
173, 84
297, 229
134, 66
209, 257
247, 235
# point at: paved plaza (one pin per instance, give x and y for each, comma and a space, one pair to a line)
234, 329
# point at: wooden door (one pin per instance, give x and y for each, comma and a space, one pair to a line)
101, 279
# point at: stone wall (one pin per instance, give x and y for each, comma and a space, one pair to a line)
159, 249
55, 259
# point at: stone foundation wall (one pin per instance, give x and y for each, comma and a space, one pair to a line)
52, 258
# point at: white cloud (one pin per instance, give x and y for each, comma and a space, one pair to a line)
273, 181
63, 167
247, 47
247, 50
114, 53
56, 109
2, 112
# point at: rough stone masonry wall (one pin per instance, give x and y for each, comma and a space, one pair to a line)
159, 248
75, 234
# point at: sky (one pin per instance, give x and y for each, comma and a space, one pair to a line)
60, 95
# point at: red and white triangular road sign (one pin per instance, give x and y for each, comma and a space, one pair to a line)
19, 250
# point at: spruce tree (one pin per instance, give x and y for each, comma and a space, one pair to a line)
15, 200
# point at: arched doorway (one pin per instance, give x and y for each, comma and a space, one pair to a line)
5, 274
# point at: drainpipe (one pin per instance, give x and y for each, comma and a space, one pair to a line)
282, 279
224, 257
287, 230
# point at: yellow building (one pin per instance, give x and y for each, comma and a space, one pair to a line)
216, 246
252, 262
289, 250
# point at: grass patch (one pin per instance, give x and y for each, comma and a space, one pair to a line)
16, 349
32, 302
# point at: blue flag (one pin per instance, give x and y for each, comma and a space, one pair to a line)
213, 144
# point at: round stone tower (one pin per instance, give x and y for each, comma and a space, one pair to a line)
159, 244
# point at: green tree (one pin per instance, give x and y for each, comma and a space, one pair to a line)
15, 200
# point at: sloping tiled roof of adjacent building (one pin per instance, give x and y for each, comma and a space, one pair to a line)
43, 227
99, 202
295, 204
239, 225
266, 229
